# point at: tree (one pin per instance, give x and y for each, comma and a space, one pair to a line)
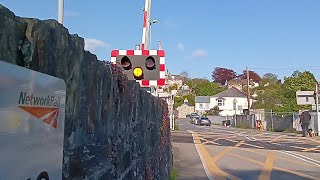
304, 81
221, 75
179, 100
252, 75
185, 76
269, 78
213, 111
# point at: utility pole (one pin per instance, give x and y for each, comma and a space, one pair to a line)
317, 109
60, 11
248, 89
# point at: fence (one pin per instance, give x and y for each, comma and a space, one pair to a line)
286, 121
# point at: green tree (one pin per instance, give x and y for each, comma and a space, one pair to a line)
213, 111
179, 100
282, 97
304, 81
203, 87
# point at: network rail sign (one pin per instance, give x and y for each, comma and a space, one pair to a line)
32, 115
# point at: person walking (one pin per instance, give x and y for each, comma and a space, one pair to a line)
305, 120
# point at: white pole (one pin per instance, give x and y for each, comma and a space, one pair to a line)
150, 34
60, 11
317, 110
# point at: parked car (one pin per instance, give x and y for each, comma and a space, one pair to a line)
205, 121
194, 115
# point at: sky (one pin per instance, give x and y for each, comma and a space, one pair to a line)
276, 36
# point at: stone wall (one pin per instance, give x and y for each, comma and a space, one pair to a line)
113, 129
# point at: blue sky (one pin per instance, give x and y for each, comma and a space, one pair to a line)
277, 36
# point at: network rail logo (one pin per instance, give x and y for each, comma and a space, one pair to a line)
43, 108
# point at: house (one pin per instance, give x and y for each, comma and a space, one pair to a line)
202, 104
175, 79
184, 109
241, 84
231, 101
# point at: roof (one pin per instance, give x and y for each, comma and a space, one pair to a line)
175, 77
202, 99
231, 92
240, 81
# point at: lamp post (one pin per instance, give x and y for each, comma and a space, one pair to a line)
150, 23
235, 111
60, 11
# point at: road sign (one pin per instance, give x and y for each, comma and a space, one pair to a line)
147, 67
32, 114
305, 97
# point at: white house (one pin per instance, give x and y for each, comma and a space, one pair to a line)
231, 101
202, 103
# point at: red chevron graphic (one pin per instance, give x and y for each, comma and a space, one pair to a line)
39, 112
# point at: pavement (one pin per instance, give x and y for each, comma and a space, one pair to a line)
216, 152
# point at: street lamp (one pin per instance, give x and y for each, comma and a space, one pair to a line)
150, 23
60, 11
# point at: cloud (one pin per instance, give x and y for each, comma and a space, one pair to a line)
70, 13
199, 53
180, 46
94, 44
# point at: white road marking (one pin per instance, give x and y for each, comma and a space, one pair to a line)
293, 155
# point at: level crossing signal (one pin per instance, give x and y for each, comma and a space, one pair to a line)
147, 67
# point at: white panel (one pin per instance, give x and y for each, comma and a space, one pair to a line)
153, 52
305, 97
162, 74
153, 83
139, 81
122, 52
144, 31
113, 60
30, 146
162, 60
137, 52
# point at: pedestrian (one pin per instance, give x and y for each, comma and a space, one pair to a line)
305, 120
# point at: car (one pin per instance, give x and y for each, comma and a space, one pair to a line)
194, 115
205, 121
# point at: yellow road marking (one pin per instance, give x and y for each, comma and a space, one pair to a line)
274, 167
222, 153
211, 142
282, 158
267, 167
277, 138
310, 149
239, 144
213, 168
260, 147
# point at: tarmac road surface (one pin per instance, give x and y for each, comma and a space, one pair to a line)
216, 152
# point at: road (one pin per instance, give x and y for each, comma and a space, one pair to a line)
216, 152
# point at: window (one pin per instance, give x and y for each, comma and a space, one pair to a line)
220, 102
200, 106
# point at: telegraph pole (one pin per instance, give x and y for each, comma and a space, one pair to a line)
248, 89
317, 109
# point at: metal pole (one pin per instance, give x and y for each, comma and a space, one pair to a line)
317, 110
150, 34
271, 120
60, 11
248, 90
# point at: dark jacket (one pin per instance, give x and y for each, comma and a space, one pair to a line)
305, 117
